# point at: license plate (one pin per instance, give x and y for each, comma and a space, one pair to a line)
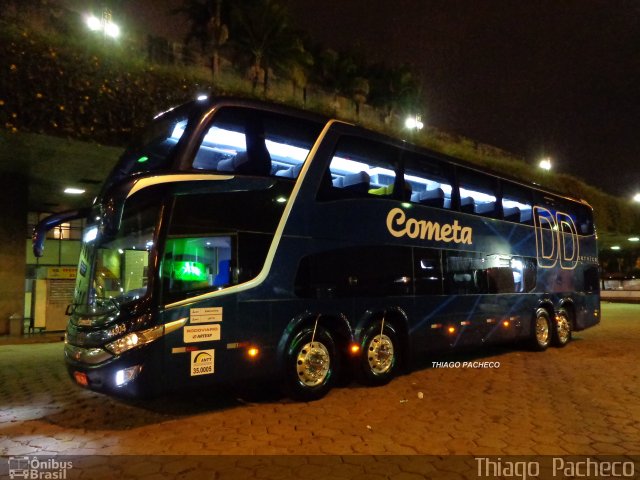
81, 378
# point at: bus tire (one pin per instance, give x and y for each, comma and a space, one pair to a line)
310, 368
562, 329
379, 360
541, 331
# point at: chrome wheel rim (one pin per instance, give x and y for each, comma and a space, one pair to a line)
312, 364
380, 354
563, 328
542, 331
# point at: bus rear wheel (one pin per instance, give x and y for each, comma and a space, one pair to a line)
562, 330
311, 364
541, 331
380, 351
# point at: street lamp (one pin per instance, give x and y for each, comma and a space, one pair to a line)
104, 25
636, 197
545, 164
414, 122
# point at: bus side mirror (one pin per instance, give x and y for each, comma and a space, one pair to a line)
52, 221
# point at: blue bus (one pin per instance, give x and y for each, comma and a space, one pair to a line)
238, 241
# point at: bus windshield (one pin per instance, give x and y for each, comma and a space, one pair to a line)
153, 148
114, 270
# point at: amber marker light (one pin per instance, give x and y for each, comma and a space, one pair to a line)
355, 348
253, 352
451, 329
506, 323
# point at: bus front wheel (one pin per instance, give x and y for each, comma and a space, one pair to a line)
311, 364
380, 350
562, 331
541, 330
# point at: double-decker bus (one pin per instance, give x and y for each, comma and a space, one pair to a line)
237, 240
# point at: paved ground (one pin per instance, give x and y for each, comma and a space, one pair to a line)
580, 400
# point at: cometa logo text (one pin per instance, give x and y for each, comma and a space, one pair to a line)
399, 225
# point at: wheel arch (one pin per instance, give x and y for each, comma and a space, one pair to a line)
398, 318
569, 306
547, 305
336, 323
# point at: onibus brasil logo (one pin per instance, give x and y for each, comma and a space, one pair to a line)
35, 468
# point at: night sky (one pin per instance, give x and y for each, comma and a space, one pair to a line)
538, 78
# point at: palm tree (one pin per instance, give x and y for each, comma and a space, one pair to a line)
205, 17
343, 74
262, 32
336, 73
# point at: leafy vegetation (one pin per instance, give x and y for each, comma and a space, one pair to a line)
59, 84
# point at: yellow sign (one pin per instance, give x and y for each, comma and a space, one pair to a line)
62, 272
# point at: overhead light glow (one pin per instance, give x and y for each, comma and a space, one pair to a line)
636, 197
74, 191
615, 247
112, 30
634, 239
545, 164
93, 23
202, 97
413, 122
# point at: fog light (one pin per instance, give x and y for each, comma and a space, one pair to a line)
126, 375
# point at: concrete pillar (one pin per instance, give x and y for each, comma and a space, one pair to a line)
13, 232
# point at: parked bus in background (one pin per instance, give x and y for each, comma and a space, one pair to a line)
237, 241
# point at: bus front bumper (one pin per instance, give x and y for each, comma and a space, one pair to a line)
100, 370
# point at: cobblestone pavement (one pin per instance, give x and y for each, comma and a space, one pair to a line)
580, 400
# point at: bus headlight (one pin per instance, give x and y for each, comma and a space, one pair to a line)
135, 339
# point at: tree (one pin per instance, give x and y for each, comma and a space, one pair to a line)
206, 27
343, 74
263, 33
396, 90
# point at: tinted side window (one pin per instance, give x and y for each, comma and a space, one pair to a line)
474, 273
580, 215
591, 280
465, 273
584, 219
516, 203
255, 142
356, 271
477, 193
365, 168
429, 179
428, 271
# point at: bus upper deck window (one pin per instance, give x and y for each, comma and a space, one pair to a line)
251, 142
516, 203
477, 193
364, 168
429, 180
